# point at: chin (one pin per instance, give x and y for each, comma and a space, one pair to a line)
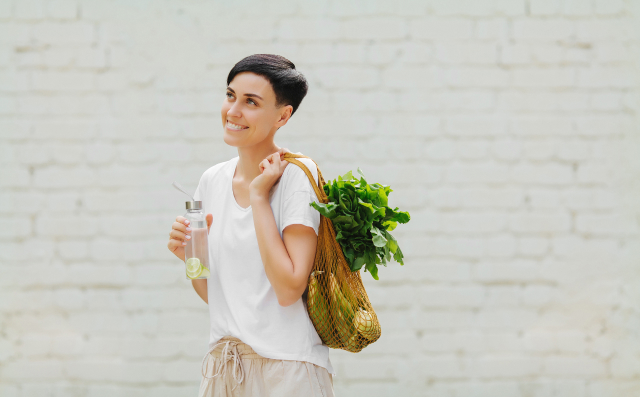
231, 141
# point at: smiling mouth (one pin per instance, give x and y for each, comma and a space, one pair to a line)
233, 127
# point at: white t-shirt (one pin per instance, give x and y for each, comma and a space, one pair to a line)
242, 302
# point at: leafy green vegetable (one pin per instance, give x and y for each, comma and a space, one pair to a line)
362, 218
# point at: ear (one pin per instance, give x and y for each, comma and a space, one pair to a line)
285, 114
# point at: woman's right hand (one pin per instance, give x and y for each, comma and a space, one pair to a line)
181, 233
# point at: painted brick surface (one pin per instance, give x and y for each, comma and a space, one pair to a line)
509, 129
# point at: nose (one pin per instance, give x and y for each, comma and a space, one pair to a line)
234, 111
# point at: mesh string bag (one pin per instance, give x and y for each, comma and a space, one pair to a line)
337, 302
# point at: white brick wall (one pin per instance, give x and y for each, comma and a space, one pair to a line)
509, 129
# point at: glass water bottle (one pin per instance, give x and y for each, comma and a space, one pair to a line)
196, 252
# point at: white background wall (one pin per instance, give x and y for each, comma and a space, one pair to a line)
508, 129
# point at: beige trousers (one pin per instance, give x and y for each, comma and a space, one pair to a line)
232, 368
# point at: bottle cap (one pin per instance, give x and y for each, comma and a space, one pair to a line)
193, 205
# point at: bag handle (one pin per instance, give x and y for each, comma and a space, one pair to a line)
318, 187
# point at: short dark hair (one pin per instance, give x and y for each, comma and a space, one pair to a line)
289, 85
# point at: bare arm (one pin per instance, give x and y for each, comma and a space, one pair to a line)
287, 262
200, 286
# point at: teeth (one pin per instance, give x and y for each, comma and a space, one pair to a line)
234, 126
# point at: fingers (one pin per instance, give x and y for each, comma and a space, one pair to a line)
180, 232
180, 236
283, 151
174, 244
273, 157
182, 220
275, 160
177, 226
279, 155
209, 219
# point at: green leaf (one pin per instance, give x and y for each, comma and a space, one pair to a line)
357, 263
349, 254
343, 219
373, 270
393, 244
390, 225
347, 177
399, 257
328, 210
395, 215
379, 239
384, 254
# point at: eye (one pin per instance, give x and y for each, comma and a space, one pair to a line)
229, 94
252, 102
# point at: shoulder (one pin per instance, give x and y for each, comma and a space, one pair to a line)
215, 170
294, 172
296, 180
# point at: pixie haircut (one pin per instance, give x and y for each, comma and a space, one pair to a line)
289, 85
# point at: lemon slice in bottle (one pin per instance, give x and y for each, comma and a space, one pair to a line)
194, 268
204, 273
193, 264
194, 274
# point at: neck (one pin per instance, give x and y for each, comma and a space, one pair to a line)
250, 157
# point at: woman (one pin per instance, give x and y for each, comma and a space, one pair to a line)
262, 238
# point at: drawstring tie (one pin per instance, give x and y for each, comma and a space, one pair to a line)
227, 355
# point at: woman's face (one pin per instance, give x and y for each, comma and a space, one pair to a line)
249, 113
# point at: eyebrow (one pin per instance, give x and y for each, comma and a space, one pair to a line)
246, 94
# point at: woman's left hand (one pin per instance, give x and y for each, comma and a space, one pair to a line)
271, 169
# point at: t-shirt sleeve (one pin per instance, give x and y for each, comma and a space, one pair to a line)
297, 196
